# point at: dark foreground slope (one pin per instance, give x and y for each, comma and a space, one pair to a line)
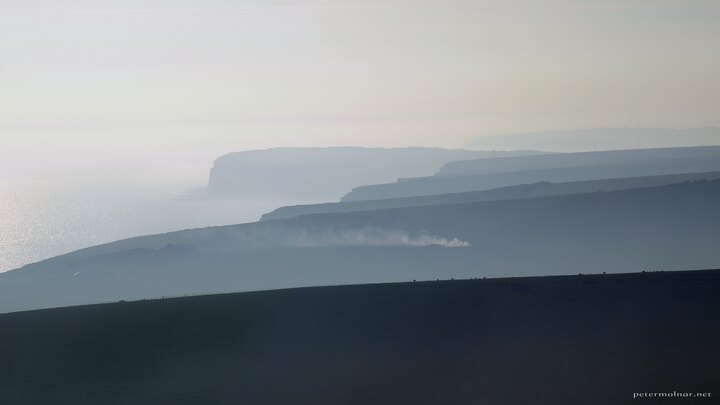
552, 340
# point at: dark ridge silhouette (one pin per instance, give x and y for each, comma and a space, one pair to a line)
463, 176
315, 174
583, 140
666, 227
542, 189
591, 339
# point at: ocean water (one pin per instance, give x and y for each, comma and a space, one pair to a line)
42, 219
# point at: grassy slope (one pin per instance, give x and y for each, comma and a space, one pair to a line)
550, 340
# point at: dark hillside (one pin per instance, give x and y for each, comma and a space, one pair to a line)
551, 340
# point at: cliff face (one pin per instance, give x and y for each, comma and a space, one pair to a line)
320, 174
585, 140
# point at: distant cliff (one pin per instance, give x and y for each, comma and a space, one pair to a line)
583, 140
475, 175
319, 174
521, 191
653, 159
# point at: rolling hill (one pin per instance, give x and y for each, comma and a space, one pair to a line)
652, 228
542, 189
475, 175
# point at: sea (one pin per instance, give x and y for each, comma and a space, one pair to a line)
43, 219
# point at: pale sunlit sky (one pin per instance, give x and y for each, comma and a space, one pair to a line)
103, 84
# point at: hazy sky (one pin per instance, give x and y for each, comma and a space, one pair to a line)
133, 81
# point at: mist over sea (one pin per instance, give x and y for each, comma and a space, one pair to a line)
42, 219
